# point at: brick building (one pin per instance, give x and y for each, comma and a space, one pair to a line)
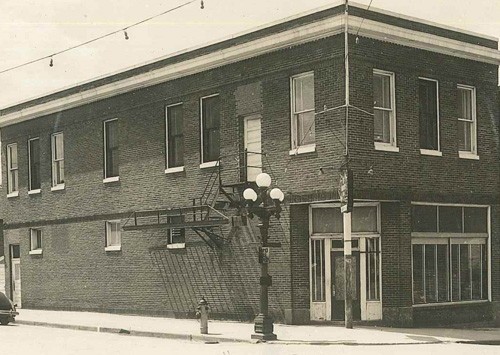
80, 167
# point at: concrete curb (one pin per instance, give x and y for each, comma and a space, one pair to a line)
141, 333
214, 339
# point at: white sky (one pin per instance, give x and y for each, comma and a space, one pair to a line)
30, 29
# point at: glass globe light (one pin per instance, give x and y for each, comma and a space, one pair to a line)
250, 195
277, 194
263, 180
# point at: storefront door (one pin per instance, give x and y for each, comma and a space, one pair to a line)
338, 286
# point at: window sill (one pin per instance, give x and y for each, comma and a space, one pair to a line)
177, 169
448, 304
435, 153
310, 148
13, 194
209, 164
176, 246
35, 252
386, 147
34, 192
468, 155
113, 248
111, 179
58, 187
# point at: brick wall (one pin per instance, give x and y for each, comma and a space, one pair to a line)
169, 282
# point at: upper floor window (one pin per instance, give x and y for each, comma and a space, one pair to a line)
175, 136
428, 95
12, 170
210, 123
35, 241
34, 164
384, 110
303, 130
57, 142
111, 149
113, 236
467, 138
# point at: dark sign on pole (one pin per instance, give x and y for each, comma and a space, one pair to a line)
345, 190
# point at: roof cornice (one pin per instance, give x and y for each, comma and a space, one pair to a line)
304, 33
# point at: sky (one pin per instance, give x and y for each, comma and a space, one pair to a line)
31, 29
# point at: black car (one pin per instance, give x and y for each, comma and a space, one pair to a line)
7, 310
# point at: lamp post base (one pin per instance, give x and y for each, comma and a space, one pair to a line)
264, 328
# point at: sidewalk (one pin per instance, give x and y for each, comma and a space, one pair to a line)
225, 331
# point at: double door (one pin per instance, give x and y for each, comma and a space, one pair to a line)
328, 291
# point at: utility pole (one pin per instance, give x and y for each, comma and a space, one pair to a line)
348, 259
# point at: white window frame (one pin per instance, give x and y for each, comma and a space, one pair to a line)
203, 163
32, 191
35, 249
470, 154
439, 238
295, 147
168, 169
392, 146
108, 245
13, 191
55, 185
433, 152
108, 178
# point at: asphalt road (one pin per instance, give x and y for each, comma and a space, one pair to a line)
23, 339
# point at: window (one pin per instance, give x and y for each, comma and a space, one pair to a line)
372, 269
57, 140
34, 164
384, 111
429, 115
35, 241
175, 136
210, 121
176, 236
467, 139
318, 270
449, 253
303, 130
113, 236
330, 220
12, 170
111, 151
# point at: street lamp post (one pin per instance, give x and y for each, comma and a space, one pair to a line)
264, 203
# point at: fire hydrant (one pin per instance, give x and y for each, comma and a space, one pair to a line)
202, 314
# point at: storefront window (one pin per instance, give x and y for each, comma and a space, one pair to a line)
450, 261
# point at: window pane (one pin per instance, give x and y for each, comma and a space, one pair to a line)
58, 147
318, 270
34, 156
364, 219
455, 272
464, 136
465, 104
418, 274
304, 93
450, 219
476, 266
175, 138
372, 271
430, 273
211, 126
465, 281
484, 274
428, 114
111, 149
381, 91
327, 220
475, 220
382, 126
442, 269
424, 218
305, 128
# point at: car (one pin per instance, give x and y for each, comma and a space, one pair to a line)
8, 310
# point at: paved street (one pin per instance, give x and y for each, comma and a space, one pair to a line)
23, 339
